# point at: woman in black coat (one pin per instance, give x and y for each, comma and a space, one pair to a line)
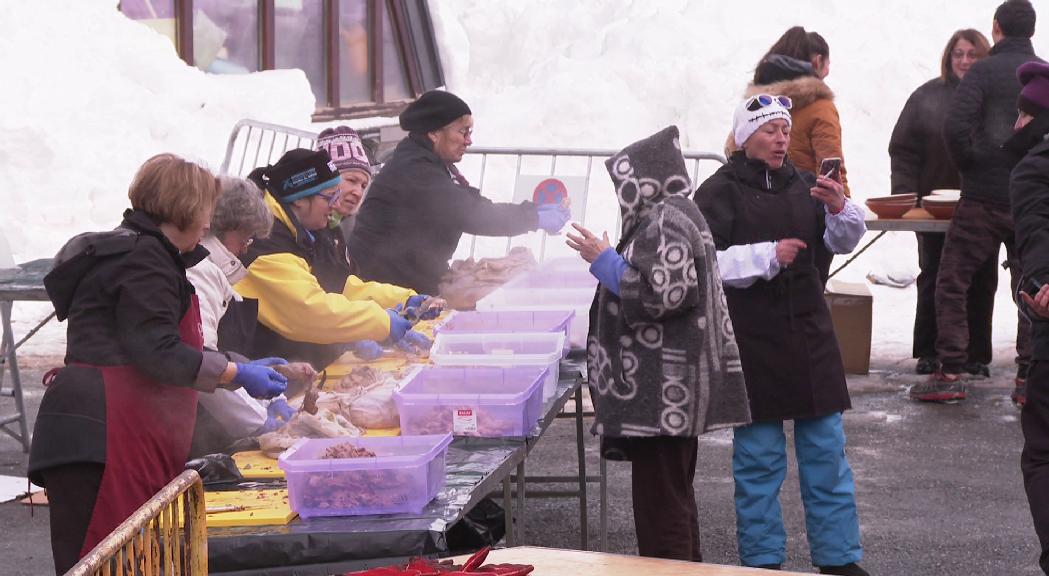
921, 164
116, 421
766, 218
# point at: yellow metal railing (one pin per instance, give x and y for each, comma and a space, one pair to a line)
167, 536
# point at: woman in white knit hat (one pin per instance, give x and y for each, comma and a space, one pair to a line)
767, 217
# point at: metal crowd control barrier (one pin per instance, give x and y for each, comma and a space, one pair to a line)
552, 155
167, 536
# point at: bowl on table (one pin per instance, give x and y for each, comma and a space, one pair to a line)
946, 194
940, 209
891, 207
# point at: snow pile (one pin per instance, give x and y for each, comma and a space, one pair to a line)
88, 96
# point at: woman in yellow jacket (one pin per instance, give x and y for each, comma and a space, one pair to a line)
302, 318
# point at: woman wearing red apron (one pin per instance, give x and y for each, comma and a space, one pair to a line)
116, 422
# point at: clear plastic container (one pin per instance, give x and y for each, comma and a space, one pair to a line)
475, 401
489, 322
559, 279
570, 263
405, 474
503, 349
577, 300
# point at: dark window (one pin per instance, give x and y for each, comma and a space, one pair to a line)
361, 57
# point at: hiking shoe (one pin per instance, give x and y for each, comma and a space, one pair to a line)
926, 365
1019, 395
850, 569
978, 369
939, 387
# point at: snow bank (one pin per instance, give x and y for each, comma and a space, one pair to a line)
87, 96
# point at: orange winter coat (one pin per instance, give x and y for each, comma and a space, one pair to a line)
815, 126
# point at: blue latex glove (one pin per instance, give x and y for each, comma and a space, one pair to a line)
414, 343
366, 350
415, 302
270, 361
259, 381
398, 326
608, 268
553, 217
278, 413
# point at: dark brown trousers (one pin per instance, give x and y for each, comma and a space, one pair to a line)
666, 517
979, 303
975, 236
71, 493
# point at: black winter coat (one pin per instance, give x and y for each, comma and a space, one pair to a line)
981, 118
124, 306
415, 214
791, 361
920, 162
1029, 187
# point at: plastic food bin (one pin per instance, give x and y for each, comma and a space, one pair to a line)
502, 349
489, 322
561, 279
404, 476
578, 300
471, 401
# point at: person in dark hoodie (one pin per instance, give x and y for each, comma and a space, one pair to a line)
979, 120
796, 66
311, 309
920, 164
115, 423
1029, 191
765, 217
663, 362
420, 205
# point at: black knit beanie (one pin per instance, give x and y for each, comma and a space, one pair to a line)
432, 111
300, 173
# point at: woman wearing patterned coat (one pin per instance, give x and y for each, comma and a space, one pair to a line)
766, 218
662, 360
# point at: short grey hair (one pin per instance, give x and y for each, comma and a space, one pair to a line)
240, 207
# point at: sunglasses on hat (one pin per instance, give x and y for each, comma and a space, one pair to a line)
762, 100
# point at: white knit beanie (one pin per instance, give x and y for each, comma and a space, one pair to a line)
746, 122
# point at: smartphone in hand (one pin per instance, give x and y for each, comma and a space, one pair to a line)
831, 168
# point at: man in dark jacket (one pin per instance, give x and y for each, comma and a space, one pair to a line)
979, 121
1029, 188
420, 205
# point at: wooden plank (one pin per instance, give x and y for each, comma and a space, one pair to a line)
551, 562
901, 225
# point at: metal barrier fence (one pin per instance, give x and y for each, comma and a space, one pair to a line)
253, 143
167, 536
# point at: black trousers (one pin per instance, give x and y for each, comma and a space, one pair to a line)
1034, 461
71, 493
666, 517
979, 305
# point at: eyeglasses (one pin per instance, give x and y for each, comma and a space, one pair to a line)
762, 100
466, 132
331, 198
959, 54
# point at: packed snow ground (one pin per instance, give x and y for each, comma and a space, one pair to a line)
90, 95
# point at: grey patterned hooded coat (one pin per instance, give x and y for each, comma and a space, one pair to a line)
662, 357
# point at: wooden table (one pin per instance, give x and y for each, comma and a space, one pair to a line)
554, 562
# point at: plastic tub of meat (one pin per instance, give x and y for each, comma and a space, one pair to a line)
491, 402
405, 473
492, 322
577, 300
503, 349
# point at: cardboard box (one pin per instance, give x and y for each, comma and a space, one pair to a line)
850, 309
